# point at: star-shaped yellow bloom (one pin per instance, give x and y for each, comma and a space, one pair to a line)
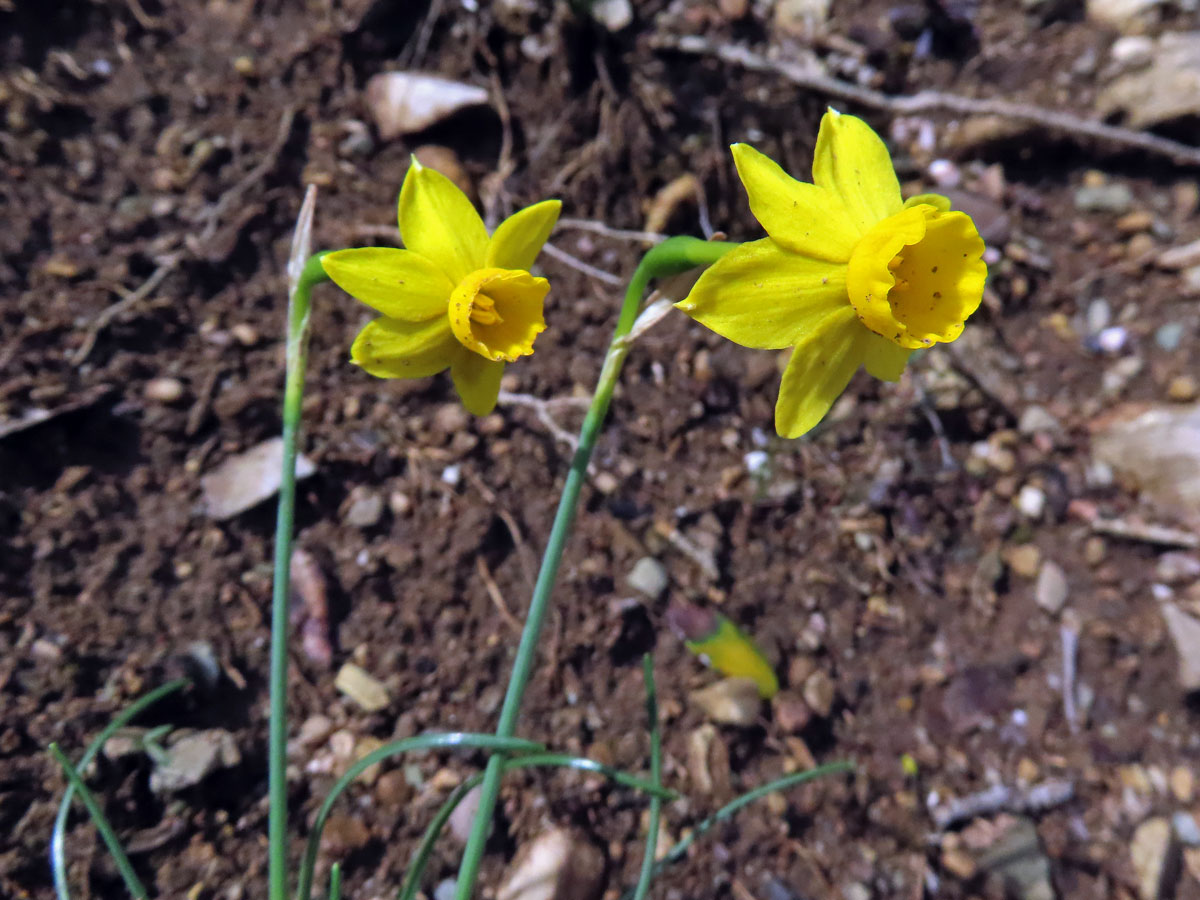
455, 298
848, 275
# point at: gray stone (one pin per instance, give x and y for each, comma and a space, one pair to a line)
1151, 852
556, 865
1115, 198
1168, 88
1035, 419
1051, 588
1185, 634
648, 576
192, 757
247, 479
365, 510
730, 701
1168, 336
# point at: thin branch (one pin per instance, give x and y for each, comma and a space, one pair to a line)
933, 101
623, 234
591, 271
493, 591
542, 409
130, 299
1001, 797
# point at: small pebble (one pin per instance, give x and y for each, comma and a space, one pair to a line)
1112, 339
605, 482
314, 730
1176, 567
163, 390
556, 865
343, 835
819, 693
1031, 501
1113, 198
1168, 336
792, 714
1183, 388
1051, 589
730, 701
944, 173
1191, 281
1035, 420
1186, 829
1132, 223
1099, 315
244, 334
365, 509
450, 418
361, 687
648, 576
1024, 560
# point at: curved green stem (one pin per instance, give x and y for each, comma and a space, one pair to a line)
111, 842
58, 857
729, 809
447, 741
671, 257
652, 826
299, 305
412, 877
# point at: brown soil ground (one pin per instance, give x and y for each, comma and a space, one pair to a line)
151, 132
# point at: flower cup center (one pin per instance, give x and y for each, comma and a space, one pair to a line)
497, 313
916, 276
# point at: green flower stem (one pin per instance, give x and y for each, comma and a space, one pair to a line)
58, 858
671, 257
335, 882
293, 394
652, 826
412, 878
439, 741
111, 841
679, 851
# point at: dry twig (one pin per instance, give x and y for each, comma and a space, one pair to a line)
933, 101
591, 271
1001, 797
624, 234
130, 299
1142, 531
542, 409
497, 598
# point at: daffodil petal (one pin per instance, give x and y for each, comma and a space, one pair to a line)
884, 359
937, 201
819, 370
804, 218
852, 161
391, 348
401, 284
477, 381
518, 239
439, 222
760, 295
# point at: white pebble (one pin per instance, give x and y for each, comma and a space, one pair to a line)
756, 461
1031, 501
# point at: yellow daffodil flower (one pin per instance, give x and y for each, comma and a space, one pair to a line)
455, 298
848, 274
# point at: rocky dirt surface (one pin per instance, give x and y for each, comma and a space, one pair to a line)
980, 585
